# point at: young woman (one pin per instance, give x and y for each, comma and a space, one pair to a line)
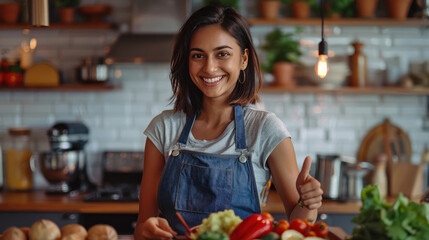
216, 150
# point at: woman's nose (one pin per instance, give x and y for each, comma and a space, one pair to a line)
211, 65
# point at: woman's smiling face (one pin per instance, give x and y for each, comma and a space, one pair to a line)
215, 61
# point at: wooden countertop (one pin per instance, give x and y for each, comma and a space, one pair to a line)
38, 201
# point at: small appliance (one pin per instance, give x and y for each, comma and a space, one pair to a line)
121, 177
64, 167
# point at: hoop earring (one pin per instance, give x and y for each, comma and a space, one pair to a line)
241, 81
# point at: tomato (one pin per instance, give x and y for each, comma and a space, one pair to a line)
309, 233
321, 229
283, 221
268, 216
298, 225
13, 79
280, 228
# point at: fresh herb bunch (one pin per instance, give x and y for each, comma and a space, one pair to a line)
281, 47
226, 3
399, 221
66, 3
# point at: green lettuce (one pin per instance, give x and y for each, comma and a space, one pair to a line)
402, 220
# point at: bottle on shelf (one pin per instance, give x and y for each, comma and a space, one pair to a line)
358, 66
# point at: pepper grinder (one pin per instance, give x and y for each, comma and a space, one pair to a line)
380, 177
358, 65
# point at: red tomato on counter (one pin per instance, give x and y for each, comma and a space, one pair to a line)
298, 225
13, 79
281, 226
321, 229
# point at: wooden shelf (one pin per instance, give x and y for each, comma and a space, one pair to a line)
342, 22
82, 25
347, 90
65, 87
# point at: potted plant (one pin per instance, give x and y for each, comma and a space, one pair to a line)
366, 8
226, 3
269, 8
398, 9
301, 8
282, 53
67, 9
340, 8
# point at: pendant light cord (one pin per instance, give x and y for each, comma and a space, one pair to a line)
323, 20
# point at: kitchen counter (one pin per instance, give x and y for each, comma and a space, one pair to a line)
39, 201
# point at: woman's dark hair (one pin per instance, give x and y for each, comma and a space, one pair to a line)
186, 94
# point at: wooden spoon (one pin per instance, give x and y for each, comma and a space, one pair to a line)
183, 222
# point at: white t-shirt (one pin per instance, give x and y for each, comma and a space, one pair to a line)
263, 129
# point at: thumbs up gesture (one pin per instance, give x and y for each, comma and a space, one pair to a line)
308, 187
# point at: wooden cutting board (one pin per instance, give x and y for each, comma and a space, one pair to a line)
41, 75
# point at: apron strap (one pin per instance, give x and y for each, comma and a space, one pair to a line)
240, 139
240, 135
185, 133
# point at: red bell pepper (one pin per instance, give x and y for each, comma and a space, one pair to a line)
253, 226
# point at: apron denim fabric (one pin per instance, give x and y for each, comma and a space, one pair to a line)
196, 184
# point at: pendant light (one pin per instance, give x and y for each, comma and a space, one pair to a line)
39, 13
322, 64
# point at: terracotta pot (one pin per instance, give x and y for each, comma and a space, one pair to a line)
283, 74
366, 8
9, 12
398, 9
67, 15
269, 8
301, 9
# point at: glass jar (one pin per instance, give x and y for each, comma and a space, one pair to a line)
17, 167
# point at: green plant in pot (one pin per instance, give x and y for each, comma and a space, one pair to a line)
340, 8
282, 54
67, 9
226, 3
302, 8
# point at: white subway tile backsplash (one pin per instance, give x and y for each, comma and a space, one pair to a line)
342, 135
23, 97
10, 109
5, 97
40, 108
37, 120
359, 110
387, 110
401, 31
313, 134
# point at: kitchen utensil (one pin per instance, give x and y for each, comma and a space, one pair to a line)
93, 70
329, 173
183, 222
354, 179
41, 75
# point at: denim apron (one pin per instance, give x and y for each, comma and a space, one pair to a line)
196, 184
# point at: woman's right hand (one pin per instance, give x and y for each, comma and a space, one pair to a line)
157, 228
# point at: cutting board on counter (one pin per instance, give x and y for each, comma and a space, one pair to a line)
389, 139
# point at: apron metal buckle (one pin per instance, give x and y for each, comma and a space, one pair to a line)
242, 158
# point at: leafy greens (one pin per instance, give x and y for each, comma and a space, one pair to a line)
402, 220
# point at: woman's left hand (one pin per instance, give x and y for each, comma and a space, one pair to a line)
308, 187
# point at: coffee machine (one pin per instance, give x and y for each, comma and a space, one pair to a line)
64, 167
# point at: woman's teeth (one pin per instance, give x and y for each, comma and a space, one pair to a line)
212, 80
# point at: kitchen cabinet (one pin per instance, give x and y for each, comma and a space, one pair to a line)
83, 25
26, 219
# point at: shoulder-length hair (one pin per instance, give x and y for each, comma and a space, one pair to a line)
186, 95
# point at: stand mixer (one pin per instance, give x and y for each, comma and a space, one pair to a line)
64, 167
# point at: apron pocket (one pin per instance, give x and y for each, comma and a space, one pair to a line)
203, 190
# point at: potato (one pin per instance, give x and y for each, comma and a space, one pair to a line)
13, 233
26, 231
102, 232
75, 229
72, 236
44, 229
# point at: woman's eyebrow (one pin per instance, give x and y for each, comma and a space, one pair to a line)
215, 49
